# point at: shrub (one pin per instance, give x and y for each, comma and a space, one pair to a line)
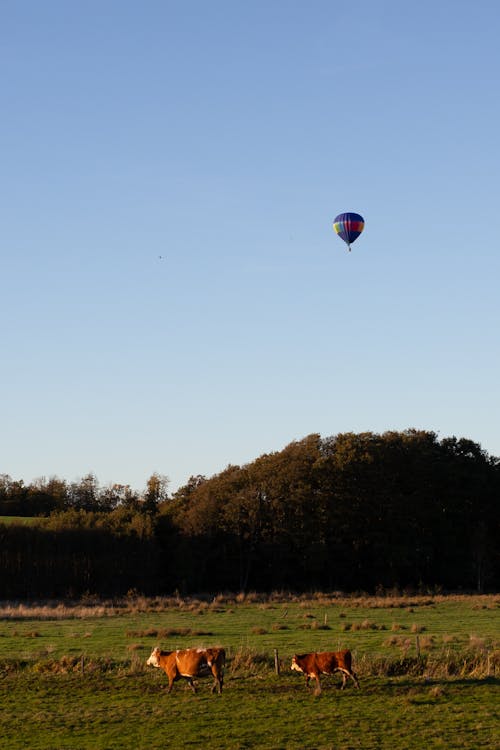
417, 628
248, 662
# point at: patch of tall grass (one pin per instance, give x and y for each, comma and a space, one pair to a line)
477, 663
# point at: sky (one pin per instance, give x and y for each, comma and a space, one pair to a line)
173, 296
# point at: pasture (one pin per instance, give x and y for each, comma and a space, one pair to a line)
75, 678
19, 520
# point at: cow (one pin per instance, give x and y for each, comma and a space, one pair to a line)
326, 662
190, 663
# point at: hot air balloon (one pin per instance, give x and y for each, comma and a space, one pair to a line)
348, 227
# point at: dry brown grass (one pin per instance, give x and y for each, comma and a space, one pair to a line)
364, 625
430, 665
55, 611
399, 641
248, 662
427, 642
165, 633
476, 643
314, 625
417, 628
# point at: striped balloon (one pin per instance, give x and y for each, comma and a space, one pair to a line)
348, 227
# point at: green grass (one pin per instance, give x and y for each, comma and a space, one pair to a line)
366, 626
109, 712
24, 520
445, 699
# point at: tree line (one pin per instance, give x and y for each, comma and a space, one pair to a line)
53, 495
347, 512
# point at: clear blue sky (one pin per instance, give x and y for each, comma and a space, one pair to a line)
225, 136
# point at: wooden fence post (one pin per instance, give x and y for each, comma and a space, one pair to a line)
276, 661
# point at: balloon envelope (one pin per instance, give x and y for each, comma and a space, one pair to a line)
348, 227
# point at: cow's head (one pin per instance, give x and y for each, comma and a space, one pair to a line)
210, 655
154, 659
295, 664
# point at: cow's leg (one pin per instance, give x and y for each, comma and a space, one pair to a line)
217, 685
318, 685
172, 675
218, 679
191, 684
354, 678
352, 675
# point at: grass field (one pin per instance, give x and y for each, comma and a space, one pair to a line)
22, 520
74, 677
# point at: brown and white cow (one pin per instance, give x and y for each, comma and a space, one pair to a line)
326, 662
190, 663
